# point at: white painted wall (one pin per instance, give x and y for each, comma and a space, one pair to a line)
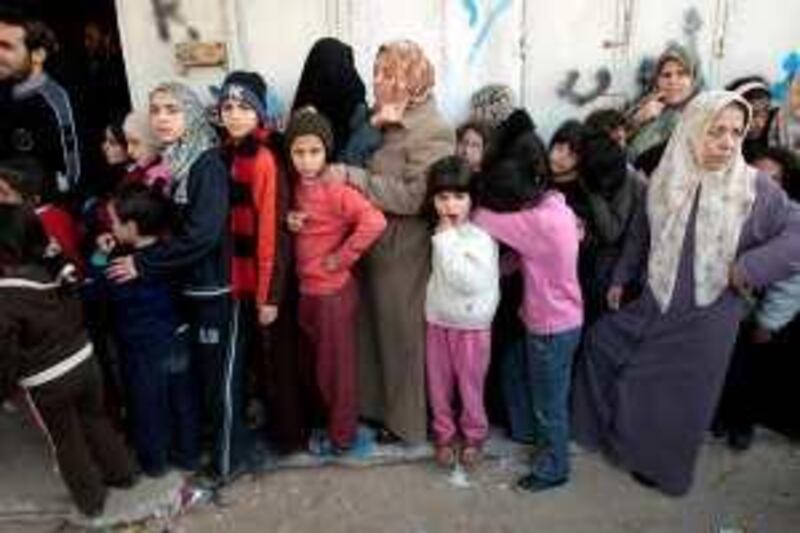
528, 44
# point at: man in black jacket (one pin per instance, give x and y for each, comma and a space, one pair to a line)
36, 113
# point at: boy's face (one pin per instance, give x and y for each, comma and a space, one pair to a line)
452, 206
124, 232
239, 118
470, 149
8, 194
308, 155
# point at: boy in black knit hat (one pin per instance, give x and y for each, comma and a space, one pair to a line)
335, 225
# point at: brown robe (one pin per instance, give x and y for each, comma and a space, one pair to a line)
395, 273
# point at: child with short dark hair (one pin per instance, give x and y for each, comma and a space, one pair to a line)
45, 349
155, 364
335, 225
537, 224
462, 296
21, 182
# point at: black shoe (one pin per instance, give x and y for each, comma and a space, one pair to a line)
643, 480
531, 483
740, 440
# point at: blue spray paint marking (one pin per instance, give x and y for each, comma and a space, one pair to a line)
472, 10
483, 34
791, 66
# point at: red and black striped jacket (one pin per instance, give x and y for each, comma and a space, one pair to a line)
258, 203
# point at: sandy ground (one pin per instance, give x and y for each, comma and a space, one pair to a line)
754, 492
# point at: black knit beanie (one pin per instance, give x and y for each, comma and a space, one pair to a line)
307, 121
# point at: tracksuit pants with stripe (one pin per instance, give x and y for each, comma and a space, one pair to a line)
215, 329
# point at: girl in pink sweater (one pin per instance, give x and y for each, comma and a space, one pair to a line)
335, 224
543, 234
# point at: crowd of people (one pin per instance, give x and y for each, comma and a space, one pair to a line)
226, 289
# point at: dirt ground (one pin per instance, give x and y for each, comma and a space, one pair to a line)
758, 491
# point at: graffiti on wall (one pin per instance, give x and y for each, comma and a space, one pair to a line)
567, 88
692, 24
482, 19
791, 67
168, 12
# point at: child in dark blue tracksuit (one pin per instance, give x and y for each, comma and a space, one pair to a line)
161, 390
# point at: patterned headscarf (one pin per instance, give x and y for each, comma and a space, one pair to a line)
726, 199
492, 104
659, 130
198, 137
407, 70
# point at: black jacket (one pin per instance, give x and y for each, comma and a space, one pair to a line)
198, 254
37, 121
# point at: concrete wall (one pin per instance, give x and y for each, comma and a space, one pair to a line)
529, 44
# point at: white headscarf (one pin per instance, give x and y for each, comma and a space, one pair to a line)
726, 199
137, 124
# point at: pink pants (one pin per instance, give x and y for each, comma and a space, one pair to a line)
457, 358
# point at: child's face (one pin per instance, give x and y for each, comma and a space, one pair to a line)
760, 117
308, 155
562, 159
452, 206
239, 118
167, 117
138, 150
124, 232
771, 167
113, 150
8, 194
619, 135
470, 148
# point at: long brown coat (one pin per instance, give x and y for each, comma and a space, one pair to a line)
395, 273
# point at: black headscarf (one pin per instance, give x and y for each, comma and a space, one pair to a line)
330, 83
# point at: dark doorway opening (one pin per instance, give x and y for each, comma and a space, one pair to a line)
90, 66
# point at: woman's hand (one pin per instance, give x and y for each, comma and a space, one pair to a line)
332, 263
614, 297
389, 113
650, 110
738, 281
122, 270
335, 173
267, 314
295, 220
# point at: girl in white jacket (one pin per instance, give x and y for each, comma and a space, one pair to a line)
462, 295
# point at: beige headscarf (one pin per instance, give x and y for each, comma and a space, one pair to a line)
726, 199
407, 70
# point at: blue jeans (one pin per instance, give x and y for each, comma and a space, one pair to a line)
536, 380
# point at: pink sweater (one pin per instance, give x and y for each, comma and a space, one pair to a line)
546, 238
340, 221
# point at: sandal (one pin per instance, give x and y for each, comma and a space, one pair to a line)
445, 456
470, 457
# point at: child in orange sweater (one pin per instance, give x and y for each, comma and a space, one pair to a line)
335, 225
